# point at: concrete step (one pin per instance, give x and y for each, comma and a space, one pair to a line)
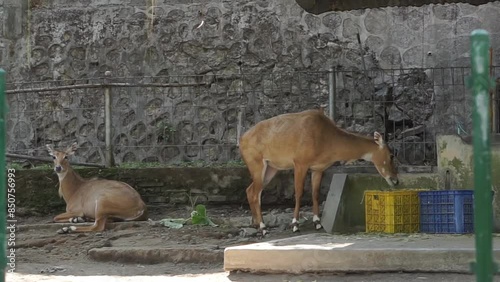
322, 252
153, 255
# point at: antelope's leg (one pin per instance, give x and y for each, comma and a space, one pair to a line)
251, 204
299, 177
99, 225
316, 182
253, 196
73, 217
257, 169
101, 215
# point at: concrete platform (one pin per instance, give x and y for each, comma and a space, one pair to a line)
321, 252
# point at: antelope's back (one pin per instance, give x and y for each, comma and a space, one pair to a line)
283, 136
111, 189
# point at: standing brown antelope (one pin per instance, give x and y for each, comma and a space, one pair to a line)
302, 141
93, 199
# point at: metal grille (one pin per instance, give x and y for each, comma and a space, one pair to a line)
43, 112
408, 106
176, 119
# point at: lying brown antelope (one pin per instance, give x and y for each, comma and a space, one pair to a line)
93, 199
303, 141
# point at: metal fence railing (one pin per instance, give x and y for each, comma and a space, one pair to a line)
176, 119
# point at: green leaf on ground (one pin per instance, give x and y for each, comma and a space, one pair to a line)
199, 216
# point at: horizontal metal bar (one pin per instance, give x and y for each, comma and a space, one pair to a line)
371, 169
48, 160
101, 85
67, 87
155, 84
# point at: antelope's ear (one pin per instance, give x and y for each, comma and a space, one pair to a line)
377, 137
50, 149
72, 149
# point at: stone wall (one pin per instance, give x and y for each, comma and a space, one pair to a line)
268, 56
53, 39
37, 188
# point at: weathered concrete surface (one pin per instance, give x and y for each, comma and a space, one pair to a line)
151, 255
157, 273
456, 167
330, 253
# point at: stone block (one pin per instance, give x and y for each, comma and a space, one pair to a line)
178, 198
217, 198
157, 200
150, 184
332, 203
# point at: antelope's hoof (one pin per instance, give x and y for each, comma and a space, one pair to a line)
77, 220
66, 230
317, 225
295, 227
262, 232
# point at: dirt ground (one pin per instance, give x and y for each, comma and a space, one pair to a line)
43, 251
44, 255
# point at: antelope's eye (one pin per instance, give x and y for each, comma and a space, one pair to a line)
65, 157
392, 157
53, 157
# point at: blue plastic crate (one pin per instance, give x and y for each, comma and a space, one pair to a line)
447, 211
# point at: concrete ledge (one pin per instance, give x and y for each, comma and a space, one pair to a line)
330, 253
153, 255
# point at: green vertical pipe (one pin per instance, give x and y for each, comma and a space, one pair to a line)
483, 216
3, 180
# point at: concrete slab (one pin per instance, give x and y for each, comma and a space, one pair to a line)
332, 203
323, 252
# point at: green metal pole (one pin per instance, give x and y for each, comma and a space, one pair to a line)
3, 180
483, 217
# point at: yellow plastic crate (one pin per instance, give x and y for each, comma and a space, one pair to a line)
392, 211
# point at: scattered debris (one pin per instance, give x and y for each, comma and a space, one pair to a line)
248, 232
174, 223
53, 269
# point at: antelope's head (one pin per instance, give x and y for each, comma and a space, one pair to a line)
383, 159
60, 158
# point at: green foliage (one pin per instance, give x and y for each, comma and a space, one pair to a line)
199, 216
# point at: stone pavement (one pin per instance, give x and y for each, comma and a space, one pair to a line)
322, 252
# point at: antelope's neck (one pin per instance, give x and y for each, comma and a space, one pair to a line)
357, 147
69, 182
